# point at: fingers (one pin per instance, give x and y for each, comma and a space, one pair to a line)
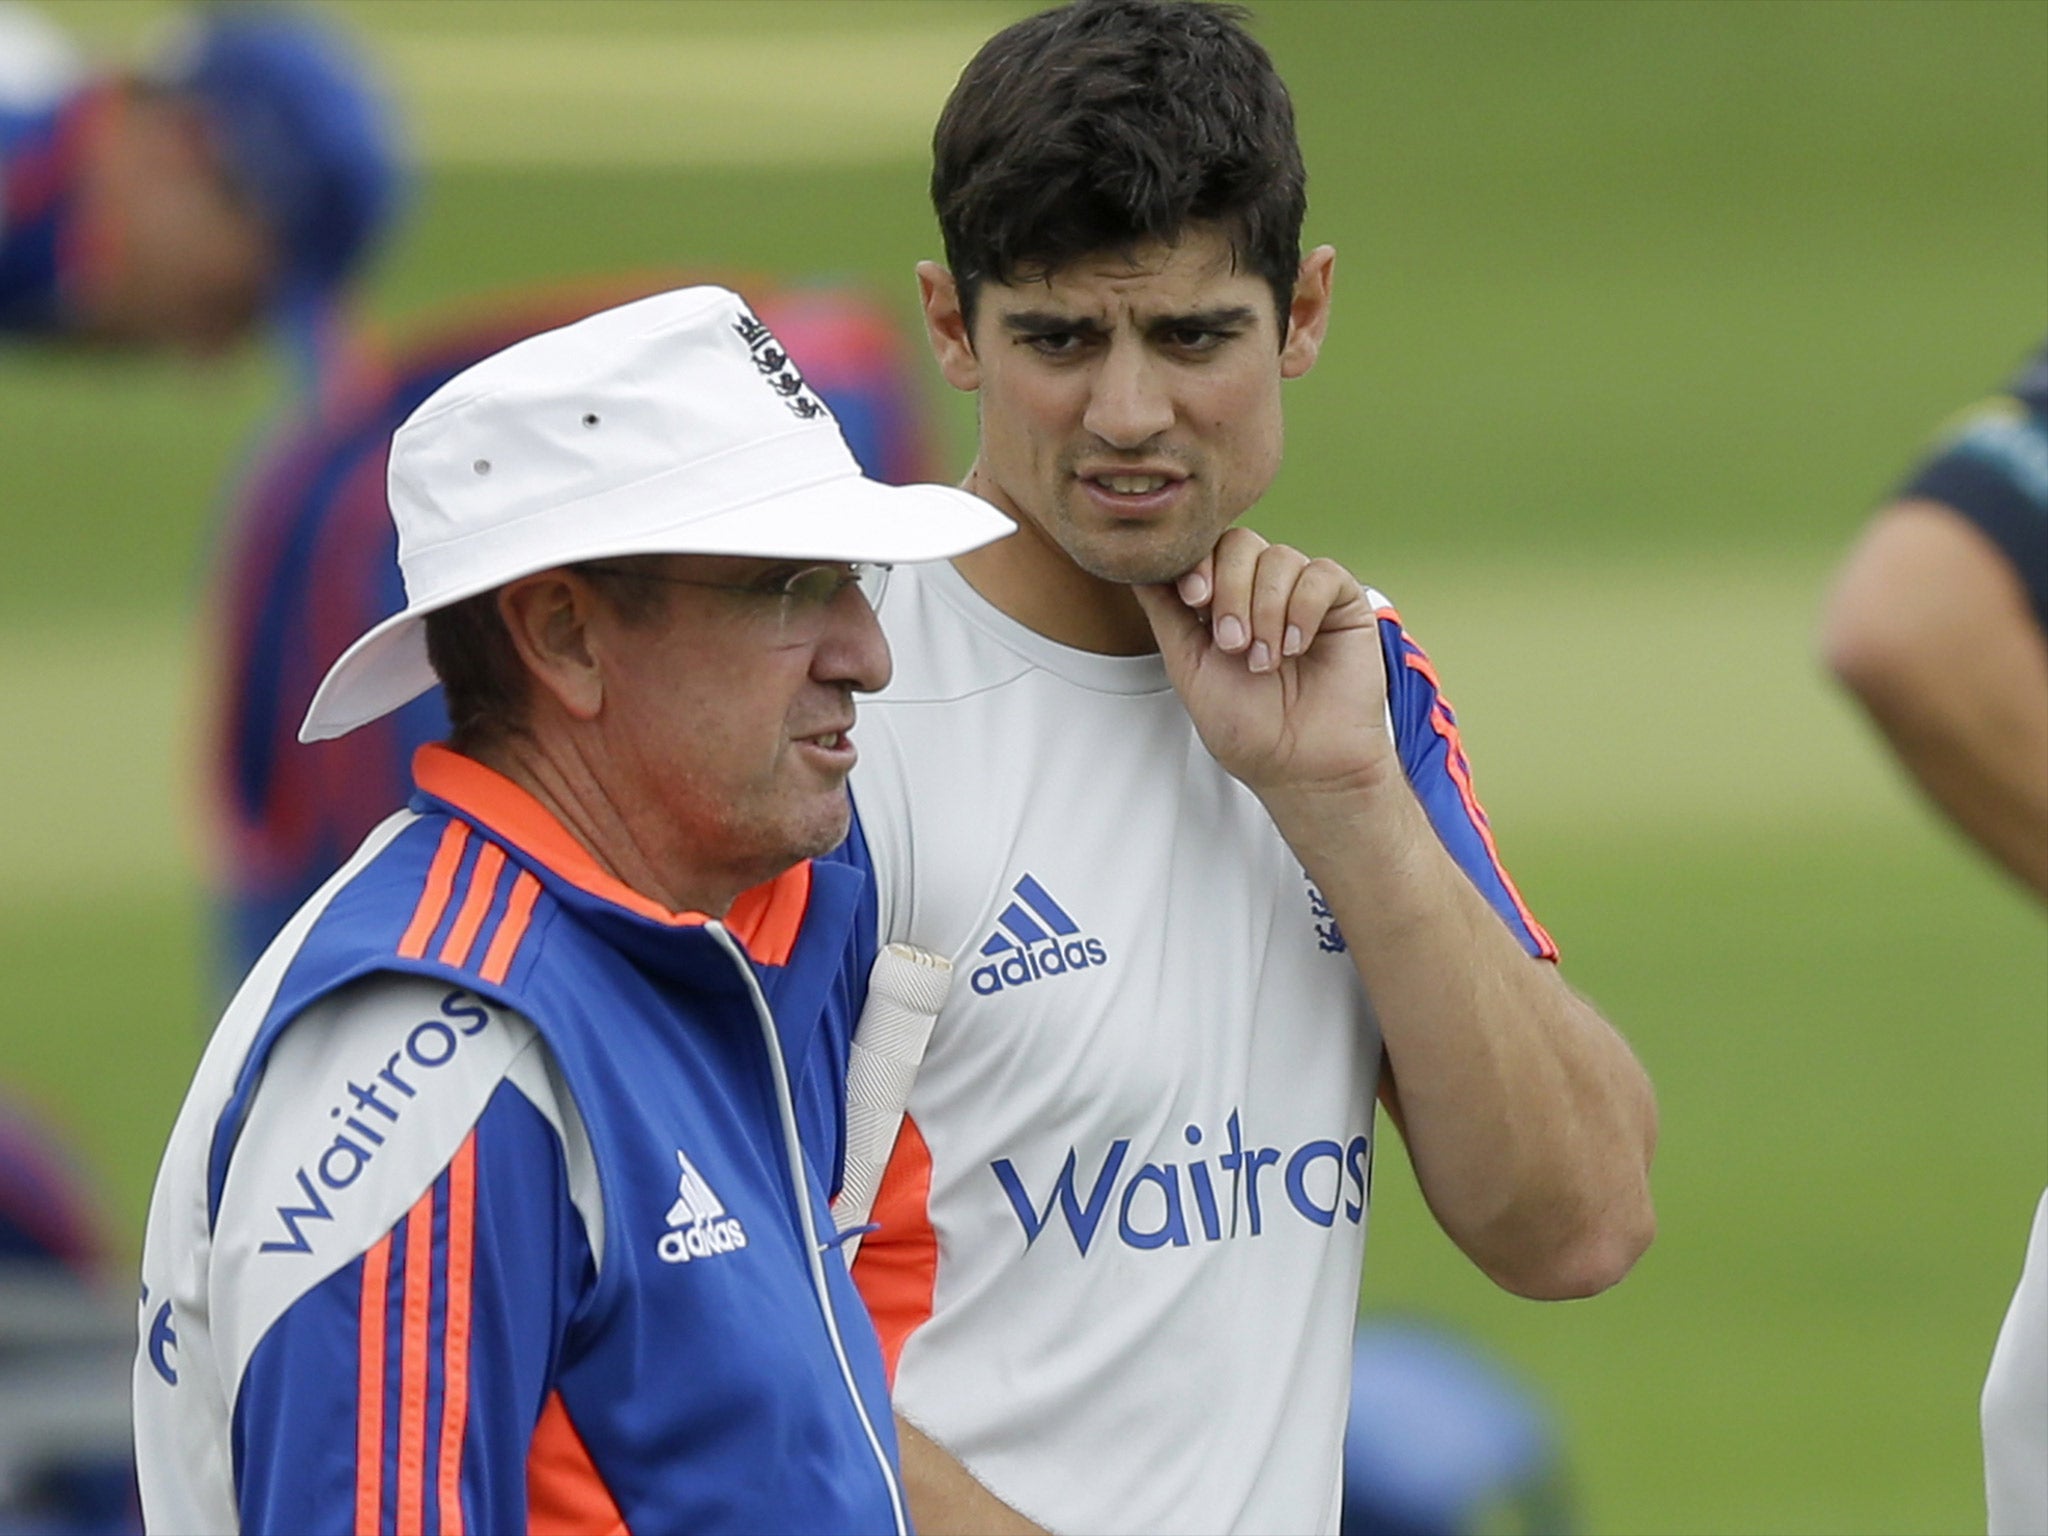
1269, 601
1175, 625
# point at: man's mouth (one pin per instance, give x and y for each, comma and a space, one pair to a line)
1134, 491
835, 745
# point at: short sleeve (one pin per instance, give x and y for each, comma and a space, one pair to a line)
1991, 467
1433, 757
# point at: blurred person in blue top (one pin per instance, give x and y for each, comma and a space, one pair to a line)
1938, 625
239, 177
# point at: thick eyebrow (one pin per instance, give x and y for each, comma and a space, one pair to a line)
1224, 318
1045, 322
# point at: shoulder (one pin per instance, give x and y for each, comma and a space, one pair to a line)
363, 1099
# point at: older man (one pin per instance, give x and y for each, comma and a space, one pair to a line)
498, 1202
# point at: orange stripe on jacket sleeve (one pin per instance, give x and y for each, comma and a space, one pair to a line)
426, 917
455, 1334
483, 884
897, 1268
370, 1390
565, 1496
511, 927
412, 1367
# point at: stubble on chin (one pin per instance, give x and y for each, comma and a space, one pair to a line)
1140, 559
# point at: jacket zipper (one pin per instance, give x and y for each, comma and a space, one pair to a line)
793, 1157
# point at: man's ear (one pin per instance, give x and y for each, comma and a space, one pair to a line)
1308, 316
946, 326
548, 617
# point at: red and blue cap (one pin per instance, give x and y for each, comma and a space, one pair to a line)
304, 132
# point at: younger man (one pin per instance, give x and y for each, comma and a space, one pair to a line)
1193, 821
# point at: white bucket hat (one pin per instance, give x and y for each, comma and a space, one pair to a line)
672, 425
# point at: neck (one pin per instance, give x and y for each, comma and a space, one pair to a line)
1029, 578
558, 774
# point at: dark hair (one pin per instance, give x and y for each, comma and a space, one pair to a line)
482, 678
1107, 123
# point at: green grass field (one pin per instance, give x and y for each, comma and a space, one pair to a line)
1641, 307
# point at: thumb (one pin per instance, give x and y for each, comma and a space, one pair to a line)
1175, 626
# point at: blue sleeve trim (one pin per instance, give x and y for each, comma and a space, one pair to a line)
1433, 757
1995, 474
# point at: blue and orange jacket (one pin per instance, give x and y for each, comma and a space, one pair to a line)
499, 1203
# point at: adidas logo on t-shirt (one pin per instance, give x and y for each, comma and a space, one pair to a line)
1034, 939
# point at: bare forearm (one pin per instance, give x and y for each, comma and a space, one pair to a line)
1529, 1121
945, 1499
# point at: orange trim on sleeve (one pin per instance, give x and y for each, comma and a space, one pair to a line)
511, 928
370, 1389
483, 885
412, 1367
897, 1268
455, 1334
768, 915
565, 1496
1442, 721
426, 917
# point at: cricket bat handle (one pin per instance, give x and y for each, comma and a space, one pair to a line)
906, 989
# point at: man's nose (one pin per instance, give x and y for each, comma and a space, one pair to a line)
852, 651
1128, 402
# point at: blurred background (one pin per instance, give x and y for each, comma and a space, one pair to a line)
1641, 309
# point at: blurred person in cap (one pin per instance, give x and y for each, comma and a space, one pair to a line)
499, 1198
238, 178
1938, 625
308, 559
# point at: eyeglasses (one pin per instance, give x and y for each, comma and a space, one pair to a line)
803, 596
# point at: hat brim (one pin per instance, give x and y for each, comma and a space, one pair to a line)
848, 518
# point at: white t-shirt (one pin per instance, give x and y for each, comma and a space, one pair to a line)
1122, 1231
2015, 1405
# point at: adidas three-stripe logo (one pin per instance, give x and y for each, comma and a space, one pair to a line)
1034, 939
1020, 921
